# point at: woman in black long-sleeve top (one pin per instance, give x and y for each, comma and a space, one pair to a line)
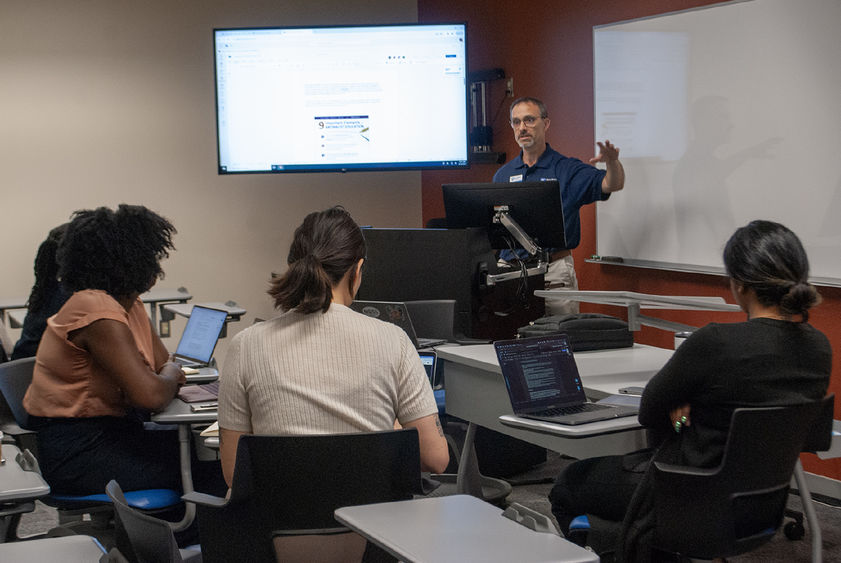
774, 358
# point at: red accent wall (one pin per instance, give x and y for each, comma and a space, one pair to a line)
546, 46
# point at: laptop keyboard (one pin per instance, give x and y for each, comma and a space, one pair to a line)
576, 409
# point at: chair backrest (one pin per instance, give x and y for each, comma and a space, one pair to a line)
295, 483
738, 505
433, 318
15, 377
150, 539
312, 476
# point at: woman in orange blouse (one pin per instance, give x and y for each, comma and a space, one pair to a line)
100, 366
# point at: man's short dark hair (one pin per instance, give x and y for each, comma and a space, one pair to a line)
528, 100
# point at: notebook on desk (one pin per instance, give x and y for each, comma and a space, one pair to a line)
543, 382
198, 393
395, 312
195, 349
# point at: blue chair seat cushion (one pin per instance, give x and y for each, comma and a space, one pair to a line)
145, 499
580, 523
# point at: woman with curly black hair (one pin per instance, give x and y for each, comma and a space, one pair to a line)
46, 298
100, 364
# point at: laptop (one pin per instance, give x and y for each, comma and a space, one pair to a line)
543, 382
428, 358
395, 312
195, 349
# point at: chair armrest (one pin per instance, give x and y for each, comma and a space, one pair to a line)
205, 499
685, 470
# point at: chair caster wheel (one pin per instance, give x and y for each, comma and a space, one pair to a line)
794, 531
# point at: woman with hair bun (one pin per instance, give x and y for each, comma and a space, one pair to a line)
319, 367
773, 358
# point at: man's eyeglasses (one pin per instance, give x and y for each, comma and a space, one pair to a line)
528, 121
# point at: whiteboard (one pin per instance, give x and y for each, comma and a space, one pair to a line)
723, 115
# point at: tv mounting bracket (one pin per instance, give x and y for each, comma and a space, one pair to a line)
503, 217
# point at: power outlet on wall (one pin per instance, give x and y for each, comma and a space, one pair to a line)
509, 87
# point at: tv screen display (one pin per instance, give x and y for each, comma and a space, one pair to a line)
341, 98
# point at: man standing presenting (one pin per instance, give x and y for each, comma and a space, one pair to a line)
580, 184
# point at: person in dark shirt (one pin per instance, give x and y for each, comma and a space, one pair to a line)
46, 298
774, 358
580, 183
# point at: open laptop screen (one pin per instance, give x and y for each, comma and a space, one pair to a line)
201, 334
540, 372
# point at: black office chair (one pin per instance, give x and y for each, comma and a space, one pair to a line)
142, 538
739, 505
287, 487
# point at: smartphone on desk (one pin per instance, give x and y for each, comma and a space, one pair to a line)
204, 407
632, 390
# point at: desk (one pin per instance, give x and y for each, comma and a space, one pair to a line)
10, 303
178, 412
161, 296
637, 301
17, 317
16, 483
18, 488
205, 375
67, 549
456, 529
476, 393
234, 311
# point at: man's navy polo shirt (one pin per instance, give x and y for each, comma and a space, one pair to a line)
580, 184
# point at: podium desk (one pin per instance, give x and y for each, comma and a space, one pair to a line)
476, 393
456, 529
180, 413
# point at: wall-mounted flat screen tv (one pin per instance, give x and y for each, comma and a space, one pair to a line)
380, 97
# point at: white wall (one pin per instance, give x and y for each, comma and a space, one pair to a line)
110, 101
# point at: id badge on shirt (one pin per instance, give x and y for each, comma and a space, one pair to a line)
515, 178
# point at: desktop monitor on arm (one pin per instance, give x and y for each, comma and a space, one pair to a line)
522, 215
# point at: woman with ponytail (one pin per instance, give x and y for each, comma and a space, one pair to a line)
773, 358
319, 367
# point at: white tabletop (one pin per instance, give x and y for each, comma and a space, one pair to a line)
66, 549
456, 529
16, 484
179, 412
645, 300
588, 430
12, 303
160, 294
602, 372
205, 375
186, 309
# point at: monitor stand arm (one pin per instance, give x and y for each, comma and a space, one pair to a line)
503, 217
